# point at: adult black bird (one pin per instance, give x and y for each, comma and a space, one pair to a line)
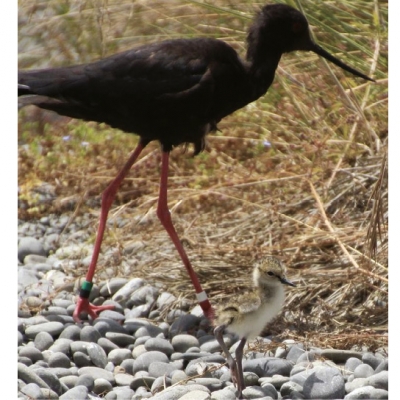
176, 92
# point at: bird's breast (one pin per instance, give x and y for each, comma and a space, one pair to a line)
250, 325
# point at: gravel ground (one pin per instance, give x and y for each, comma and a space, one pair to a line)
143, 349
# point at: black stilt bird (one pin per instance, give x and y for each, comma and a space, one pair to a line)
176, 92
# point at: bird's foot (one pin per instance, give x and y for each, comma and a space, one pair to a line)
83, 305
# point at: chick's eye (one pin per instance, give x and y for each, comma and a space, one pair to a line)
270, 273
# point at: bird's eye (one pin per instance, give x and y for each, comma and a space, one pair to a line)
270, 273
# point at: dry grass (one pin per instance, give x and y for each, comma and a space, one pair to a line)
317, 196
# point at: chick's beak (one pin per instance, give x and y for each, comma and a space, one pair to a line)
286, 282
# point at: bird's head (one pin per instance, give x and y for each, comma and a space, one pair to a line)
278, 29
270, 271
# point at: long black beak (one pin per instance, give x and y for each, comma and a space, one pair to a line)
323, 53
286, 282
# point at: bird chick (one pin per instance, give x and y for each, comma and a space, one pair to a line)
247, 314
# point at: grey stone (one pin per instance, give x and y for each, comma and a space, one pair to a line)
20, 338
307, 356
123, 379
158, 344
281, 352
86, 380
120, 339
212, 346
268, 366
295, 352
32, 390
61, 345
133, 324
29, 376
128, 365
69, 381
33, 302
178, 376
27, 277
176, 392
141, 340
123, 294
250, 378
25, 360
107, 344
276, 380
81, 359
52, 310
144, 295
351, 364
149, 330
371, 360
339, 356
76, 393
138, 381
43, 341
51, 379
71, 332
59, 360
114, 314
289, 387
383, 366
228, 393
201, 361
104, 325
101, 386
118, 355
30, 245
184, 323
355, 384
158, 368
48, 394
379, 380
79, 345
97, 355
112, 286
53, 328
324, 383
183, 342
257, 392
196, 395
363, 371
34, 260
60, 372
138, 350
89, 334
123, 393
210, 383
141, 311
165, 299
367, 392
96, 373
31, 352
113, 396
143, 362
160, 384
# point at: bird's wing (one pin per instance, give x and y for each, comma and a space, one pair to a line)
248, 303
175, 69
174, 87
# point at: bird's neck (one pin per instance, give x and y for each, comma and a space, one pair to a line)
262, 71
266, 291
